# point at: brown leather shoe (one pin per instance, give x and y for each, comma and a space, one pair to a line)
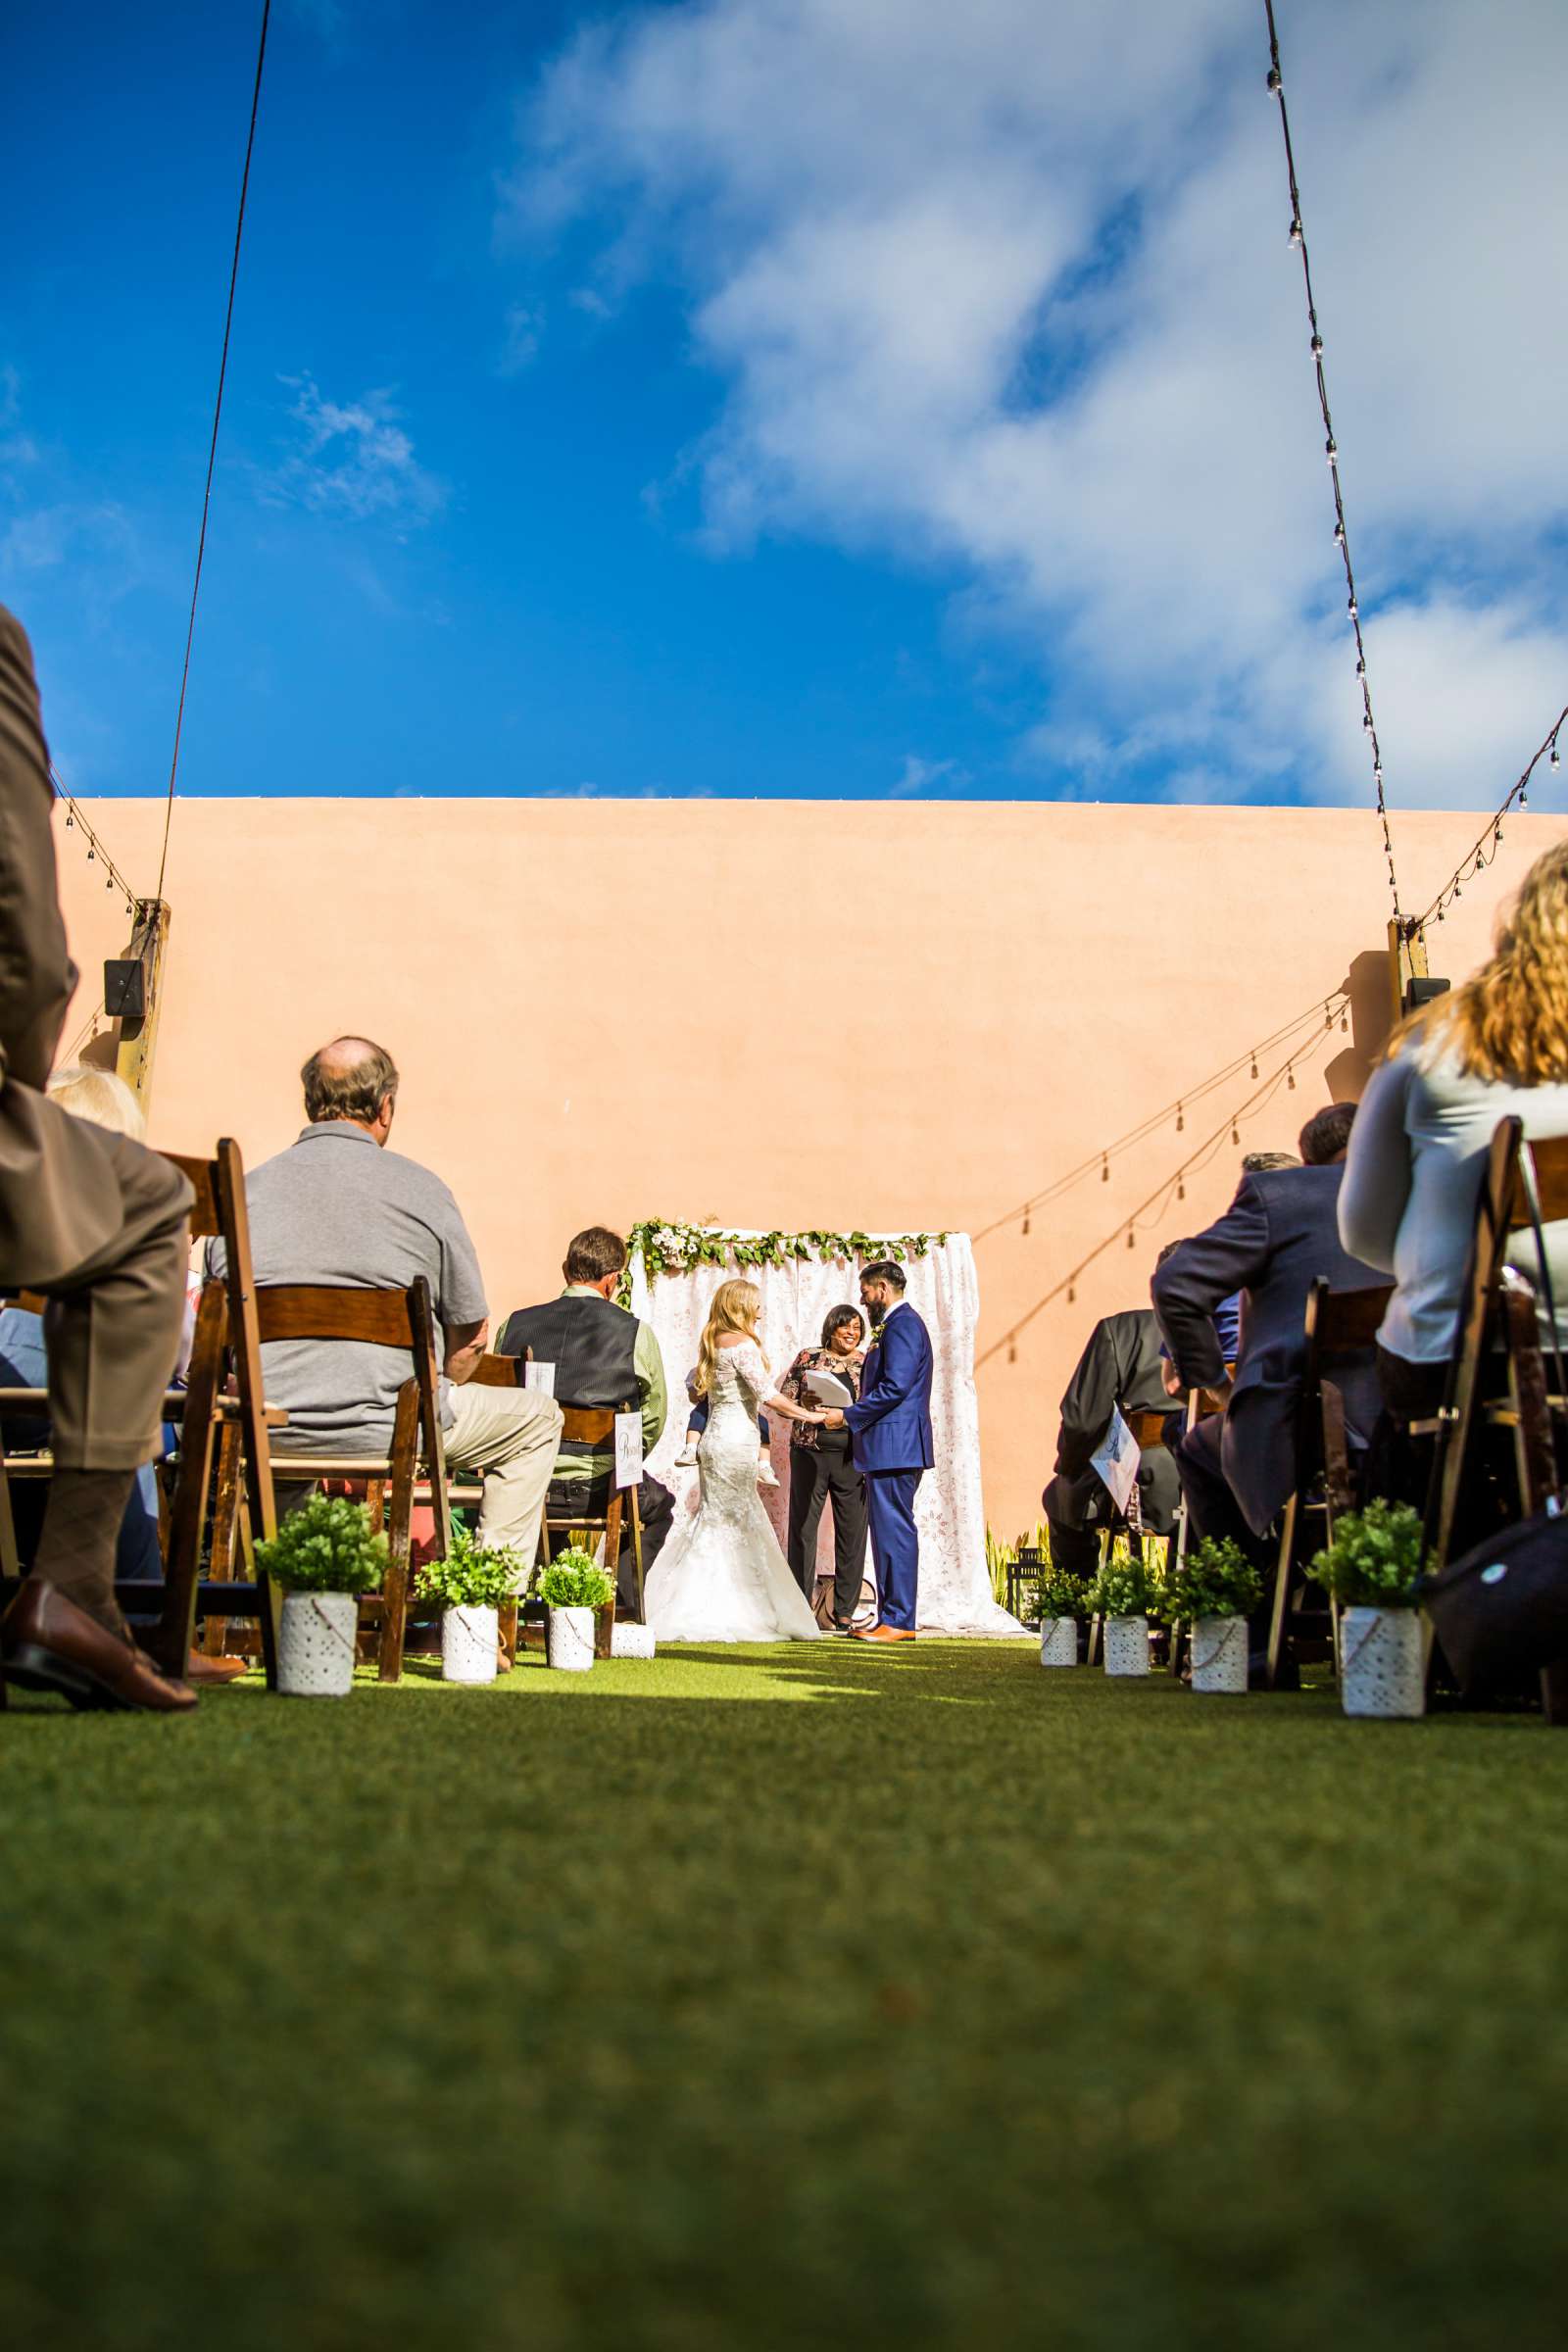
199, 1668
50, 1644
885, 1633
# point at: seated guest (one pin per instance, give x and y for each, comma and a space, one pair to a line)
339, 1210
1278, 1236
821, 1468
603, 1356
105, 1100
1121, 1366
1494, 1048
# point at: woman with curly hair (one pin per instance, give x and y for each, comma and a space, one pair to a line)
1494, 1048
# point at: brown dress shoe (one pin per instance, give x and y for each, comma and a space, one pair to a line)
50, 1644
199, 1668
885, 1633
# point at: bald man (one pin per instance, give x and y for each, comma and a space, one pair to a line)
339, 1211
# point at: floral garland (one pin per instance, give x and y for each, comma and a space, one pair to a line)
667, 1247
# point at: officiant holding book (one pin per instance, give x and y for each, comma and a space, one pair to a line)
823, 1467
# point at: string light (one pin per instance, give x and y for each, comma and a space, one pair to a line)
1475, 861
1154, 1205
97, 855
1331, 450
1102, 1155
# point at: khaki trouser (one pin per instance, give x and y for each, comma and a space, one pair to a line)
96, 1222
512, 1436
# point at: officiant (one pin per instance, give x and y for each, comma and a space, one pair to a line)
822, 1468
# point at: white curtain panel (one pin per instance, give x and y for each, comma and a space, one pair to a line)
954, 1588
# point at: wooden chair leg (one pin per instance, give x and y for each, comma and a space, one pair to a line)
1554, 1694
226, 1527
1281, 1589
400, 1535
168, 1642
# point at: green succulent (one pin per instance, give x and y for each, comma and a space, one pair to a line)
1215, 1579
1375, 1559
327, 1545
470, 1577
575, 1581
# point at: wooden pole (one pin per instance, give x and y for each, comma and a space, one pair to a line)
135, 1030
1407, 962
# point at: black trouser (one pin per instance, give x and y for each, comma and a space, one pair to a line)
1074, 1548
815, 1473
656, 1507
1213, 1511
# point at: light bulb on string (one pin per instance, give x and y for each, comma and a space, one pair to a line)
89, 856
1026, 1221
1331, 452
1339, 535
1012, 1352
1290, 1077
1275, 86
1181, 1118
1555, 759
1181, 1188
1317, 347
1105, 1168
1295, 231
1354, 610
1236, 1132
1345, 1019
1072, 1292
1132, 1239
71, 820
1254, 1066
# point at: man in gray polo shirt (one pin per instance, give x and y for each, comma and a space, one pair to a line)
339, 1211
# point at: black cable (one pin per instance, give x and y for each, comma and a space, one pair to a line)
1342, 541
211, 453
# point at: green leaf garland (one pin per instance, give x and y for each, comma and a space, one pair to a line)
666, 1246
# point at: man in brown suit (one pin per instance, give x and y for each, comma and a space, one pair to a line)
98, 1224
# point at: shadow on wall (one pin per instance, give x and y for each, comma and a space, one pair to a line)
1367, 984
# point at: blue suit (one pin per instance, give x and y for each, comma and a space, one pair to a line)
892, 1433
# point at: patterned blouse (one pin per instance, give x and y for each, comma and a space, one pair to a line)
792, 1389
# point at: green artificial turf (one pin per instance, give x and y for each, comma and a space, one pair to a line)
780, 1997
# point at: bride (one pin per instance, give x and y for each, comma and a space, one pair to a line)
722, 1576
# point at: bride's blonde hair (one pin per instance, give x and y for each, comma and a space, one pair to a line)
736, 1307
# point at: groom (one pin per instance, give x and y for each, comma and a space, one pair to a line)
892, 1430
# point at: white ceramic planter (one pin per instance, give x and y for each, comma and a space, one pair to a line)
1219, 1653
471, 1636
1059, 1641
1126, 1645
628, 1640
1380, 1662
316, 1644
569, 1640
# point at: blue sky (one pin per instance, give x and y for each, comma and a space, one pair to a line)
818, 398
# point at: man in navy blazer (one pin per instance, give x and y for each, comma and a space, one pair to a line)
892, 1430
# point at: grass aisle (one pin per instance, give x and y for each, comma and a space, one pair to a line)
751, 1999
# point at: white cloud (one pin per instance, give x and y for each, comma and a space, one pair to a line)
919, 775
352, 459
520, 339
1010, 288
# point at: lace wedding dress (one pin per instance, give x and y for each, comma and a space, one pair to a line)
722, 1576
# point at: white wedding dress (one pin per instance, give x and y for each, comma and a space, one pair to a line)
722, 1576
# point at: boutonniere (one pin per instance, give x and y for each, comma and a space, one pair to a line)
877, 1328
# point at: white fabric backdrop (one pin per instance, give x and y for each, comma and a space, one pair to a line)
954, 1588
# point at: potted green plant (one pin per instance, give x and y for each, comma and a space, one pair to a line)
323, 1556
472, 1584
1372, 1570
1063, 1604
1124, 1595
1212, 1592
572, 1588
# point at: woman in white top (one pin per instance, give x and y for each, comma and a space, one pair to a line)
1497, 1046
722, 1576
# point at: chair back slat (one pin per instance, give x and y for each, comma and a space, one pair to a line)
287, 1311
589, 1424
498, 1372
202, 1176
1550, 1157
1148, 1430
1347, 1322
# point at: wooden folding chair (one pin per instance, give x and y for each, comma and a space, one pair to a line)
225, 1334
595, 1425
1496, 1378
1340, 1329
401, 1319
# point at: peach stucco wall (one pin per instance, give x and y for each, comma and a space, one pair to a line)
603, 1010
